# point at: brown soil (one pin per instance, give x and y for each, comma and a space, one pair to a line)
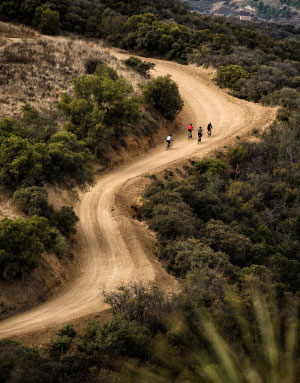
116, 249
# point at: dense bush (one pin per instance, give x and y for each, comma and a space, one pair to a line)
102, 107
122, 337
49, 22
229, 75
142, 67
162, 93
147, 306
34, 201
91, 64
70, 161
249, 212
22, 243
33, 153
20, 363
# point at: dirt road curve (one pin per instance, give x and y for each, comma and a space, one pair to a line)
111, 250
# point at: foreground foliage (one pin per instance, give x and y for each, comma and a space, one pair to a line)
211, 332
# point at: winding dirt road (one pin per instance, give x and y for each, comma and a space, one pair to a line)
112, 251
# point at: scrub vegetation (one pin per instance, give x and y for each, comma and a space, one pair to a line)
59, 147
229, 230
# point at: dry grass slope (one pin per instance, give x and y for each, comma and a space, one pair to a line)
36, 69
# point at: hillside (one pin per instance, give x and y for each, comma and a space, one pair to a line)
37, 70
114, 249
285, 12
195, 250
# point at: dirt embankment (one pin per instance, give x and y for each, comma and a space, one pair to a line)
115, 249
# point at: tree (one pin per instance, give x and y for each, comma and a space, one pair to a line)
70, 161
222, 237
228, 76
185, 256
32, 200
21, 244
173, 220
50, 22
102, 108
122, 337
163, 94
22, 163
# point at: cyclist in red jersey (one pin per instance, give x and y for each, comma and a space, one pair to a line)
190, 129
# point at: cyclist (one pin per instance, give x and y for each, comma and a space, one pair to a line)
169, 141
200, 133
209, 128
190, 131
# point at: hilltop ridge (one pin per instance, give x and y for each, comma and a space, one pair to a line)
285, 11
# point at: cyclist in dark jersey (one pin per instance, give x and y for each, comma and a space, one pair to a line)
209, 129
200, 133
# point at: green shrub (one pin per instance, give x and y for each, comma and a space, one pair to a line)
91, 64
102, 108
32, 200
162, 93
67, 330
19, 363
173, 220
212, 166
70, 161
211, 173
21, 244
229, 75
145, 305
50, 22
105, 70
236, 154
224, 238
142, 67
184, 256
63, 159
64, 220
60, 345
120, 337
22, 163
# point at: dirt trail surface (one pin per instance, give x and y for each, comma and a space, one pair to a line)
111, 248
